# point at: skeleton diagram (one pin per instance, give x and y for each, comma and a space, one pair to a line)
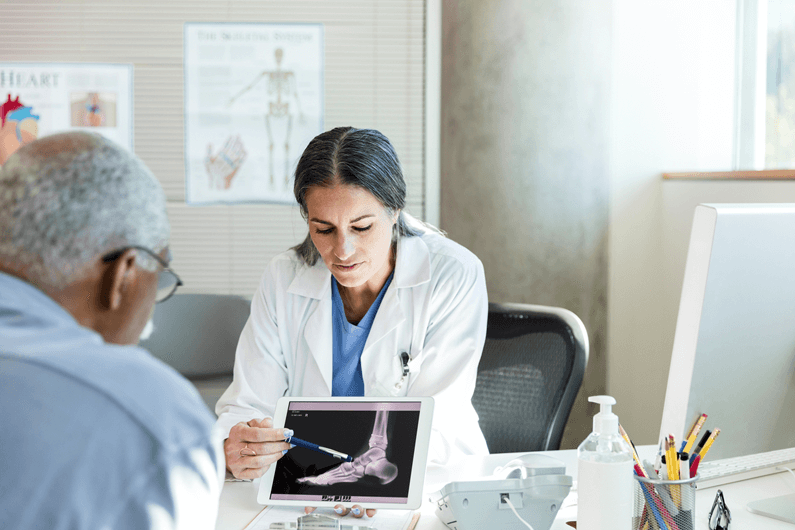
372, 462
281, 85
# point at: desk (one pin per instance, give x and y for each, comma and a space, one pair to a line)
239, 499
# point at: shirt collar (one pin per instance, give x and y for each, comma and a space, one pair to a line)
18, 294
412, 268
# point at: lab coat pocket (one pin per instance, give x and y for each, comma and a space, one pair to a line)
395, 381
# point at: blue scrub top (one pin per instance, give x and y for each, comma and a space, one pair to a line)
349, 341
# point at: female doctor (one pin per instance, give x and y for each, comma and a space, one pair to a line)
332, 316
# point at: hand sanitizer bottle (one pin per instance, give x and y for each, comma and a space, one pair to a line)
604, 474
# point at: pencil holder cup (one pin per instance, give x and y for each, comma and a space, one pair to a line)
664, 504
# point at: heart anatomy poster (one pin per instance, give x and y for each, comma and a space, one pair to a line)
37, 99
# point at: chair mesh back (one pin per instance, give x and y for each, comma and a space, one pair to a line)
526, 365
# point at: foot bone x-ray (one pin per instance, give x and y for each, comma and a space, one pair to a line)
372, 462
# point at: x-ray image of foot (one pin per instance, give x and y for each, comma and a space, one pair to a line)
372, 462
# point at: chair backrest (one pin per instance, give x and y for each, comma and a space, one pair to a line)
532, 367
197, 334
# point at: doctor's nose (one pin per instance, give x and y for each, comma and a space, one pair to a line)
344, 248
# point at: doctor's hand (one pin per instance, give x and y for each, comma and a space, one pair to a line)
252, 447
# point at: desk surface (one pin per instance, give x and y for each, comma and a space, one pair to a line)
239, 506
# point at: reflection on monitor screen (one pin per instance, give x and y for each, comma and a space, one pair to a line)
379, 436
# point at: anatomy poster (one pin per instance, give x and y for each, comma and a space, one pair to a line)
37, 99
253, 101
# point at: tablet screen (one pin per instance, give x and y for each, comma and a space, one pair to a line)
380, 436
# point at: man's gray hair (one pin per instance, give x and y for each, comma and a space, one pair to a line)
67, 199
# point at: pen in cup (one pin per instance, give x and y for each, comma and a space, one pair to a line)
700, 445
709, 443
694, 465
684, 467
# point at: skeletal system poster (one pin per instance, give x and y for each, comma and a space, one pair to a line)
253, 101
37, 99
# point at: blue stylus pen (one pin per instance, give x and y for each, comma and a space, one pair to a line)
320, 449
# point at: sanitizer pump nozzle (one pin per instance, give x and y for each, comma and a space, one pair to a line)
605, 482
605, 422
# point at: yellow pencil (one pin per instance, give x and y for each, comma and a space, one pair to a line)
709, 443
625, 436
672, 463
675, 462
669, 460
691, 438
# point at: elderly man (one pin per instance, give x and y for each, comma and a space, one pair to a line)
94, 432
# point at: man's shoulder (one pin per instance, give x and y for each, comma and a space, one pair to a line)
107, 439
166, 404
151, 394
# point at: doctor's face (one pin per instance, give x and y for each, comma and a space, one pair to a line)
353, 233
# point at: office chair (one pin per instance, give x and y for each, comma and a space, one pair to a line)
197, 335
532, 367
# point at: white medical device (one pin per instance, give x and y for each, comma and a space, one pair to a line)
534, 484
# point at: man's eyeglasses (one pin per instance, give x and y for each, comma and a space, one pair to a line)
167, 279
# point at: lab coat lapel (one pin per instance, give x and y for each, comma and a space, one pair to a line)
390, 315
315, 282
412, 268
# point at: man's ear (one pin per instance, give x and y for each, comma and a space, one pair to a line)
120, 273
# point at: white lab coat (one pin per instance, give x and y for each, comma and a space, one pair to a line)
435, 309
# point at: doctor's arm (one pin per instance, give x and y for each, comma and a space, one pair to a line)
260, 377
451, 353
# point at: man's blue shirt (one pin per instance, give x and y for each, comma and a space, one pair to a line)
93, 434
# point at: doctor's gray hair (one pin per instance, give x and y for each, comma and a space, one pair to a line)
67, 199
355, 157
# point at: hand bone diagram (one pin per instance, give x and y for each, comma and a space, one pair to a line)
372, 462
222, 166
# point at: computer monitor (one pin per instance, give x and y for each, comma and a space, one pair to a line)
734, 349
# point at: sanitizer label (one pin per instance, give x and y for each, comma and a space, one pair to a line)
604, 495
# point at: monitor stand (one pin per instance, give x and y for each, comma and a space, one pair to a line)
781, 508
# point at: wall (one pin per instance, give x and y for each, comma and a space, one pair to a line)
524, 176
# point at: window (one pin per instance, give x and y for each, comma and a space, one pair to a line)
765, 87
780, 85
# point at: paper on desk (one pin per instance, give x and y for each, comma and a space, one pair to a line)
383, 520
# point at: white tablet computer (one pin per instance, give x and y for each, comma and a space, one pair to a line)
386, 439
